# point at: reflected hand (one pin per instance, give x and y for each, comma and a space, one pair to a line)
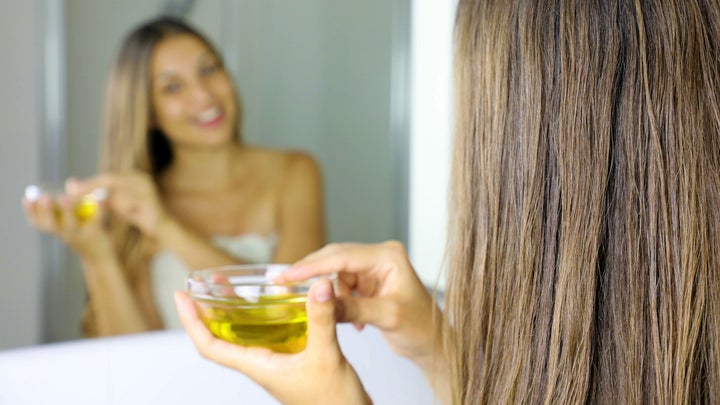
133, 197
377, 285
319, 374
58, 216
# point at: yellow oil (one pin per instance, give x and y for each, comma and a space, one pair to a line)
84, 210
277, 322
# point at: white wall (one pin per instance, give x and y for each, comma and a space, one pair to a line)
430, 134
20, 131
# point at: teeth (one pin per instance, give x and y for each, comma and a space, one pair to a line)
209, 114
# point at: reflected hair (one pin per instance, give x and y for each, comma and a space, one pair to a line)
130, 140
584, 242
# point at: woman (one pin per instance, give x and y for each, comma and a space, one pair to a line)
184, 191
584, 243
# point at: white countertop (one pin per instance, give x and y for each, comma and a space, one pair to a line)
164, 368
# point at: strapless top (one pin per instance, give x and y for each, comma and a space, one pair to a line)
169, 273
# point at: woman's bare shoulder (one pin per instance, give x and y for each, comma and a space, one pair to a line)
288, 164
301, 167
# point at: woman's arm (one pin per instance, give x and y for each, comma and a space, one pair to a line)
134, 198
301, 222
194, 250
117, 309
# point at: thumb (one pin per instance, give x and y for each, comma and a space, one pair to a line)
321, 316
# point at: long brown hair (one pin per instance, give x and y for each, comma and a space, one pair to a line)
584, 249
130, 141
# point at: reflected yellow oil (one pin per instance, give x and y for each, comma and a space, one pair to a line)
86, 209
277, 322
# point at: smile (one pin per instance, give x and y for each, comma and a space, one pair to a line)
210, 116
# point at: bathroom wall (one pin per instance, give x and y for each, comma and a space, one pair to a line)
20, 134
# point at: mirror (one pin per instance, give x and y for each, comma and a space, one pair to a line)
322, 76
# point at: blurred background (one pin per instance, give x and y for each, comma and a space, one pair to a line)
363, 86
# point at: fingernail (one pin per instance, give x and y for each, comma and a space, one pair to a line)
282, 277
275, 270
180, 302
323, 292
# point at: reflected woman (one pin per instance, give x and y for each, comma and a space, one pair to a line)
184, 191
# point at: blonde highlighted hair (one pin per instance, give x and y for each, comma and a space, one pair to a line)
584, 249
130, 142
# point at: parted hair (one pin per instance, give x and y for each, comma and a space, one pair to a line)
584, 248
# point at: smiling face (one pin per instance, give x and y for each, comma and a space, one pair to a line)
193, 98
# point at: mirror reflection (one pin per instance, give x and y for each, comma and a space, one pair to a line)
269, 135
178, 189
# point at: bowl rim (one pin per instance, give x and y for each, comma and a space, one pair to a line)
253, 279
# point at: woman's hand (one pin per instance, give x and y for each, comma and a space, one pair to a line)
318, 375
58, 216
133, 197
377, 285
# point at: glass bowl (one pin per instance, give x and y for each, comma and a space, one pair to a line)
240, 304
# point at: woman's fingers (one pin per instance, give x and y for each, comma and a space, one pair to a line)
44, 214
351, 258
199, 334
132, 196
65, 212
321, 326
101, 181
190, 320
125, 204
380, 312
370, 278
31, 208
318, 374
322, 334
210, 347
262, 364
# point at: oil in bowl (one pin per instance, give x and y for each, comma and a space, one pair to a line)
278, 323
239, 304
